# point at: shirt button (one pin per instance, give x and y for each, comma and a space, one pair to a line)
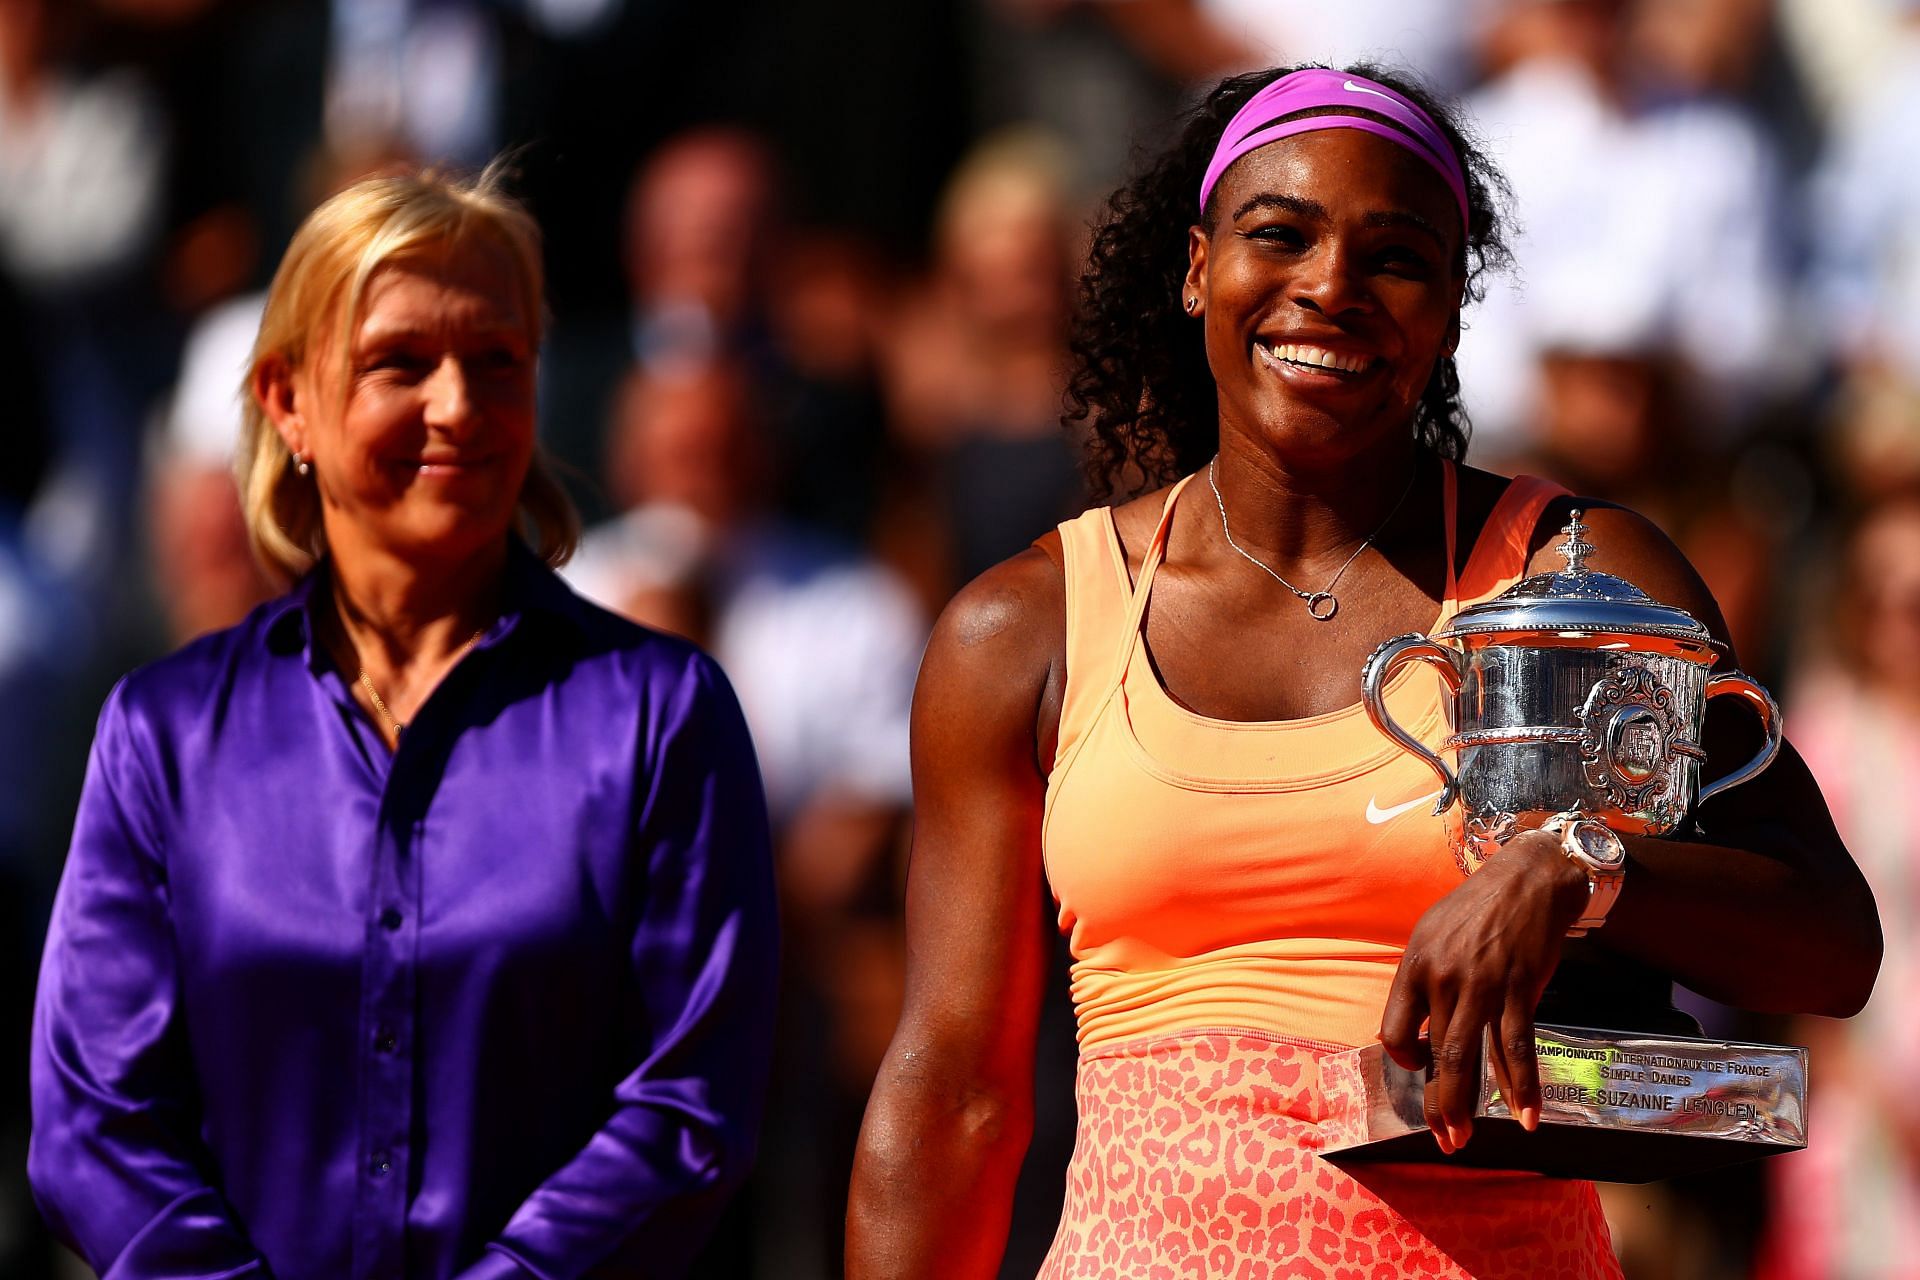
385, 1041
390, 919
381, 1165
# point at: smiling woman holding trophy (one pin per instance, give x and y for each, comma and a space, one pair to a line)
1157, 714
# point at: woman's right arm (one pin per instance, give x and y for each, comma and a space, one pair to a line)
115, 1161
952, 1108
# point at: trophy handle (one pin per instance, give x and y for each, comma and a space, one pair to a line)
1373, 682
1738, 682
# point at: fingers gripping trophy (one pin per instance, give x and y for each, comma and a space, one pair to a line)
1577, 705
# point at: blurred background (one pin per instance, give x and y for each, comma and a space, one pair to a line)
810, 267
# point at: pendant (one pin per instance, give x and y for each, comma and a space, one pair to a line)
1320, 600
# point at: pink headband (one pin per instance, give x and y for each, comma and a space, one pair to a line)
1253, 125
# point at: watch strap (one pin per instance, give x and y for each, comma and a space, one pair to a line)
1603, 884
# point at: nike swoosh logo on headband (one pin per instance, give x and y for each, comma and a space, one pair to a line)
1376, 815
1351, 87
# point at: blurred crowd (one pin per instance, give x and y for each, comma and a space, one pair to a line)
811, 264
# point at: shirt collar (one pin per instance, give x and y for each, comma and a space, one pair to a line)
530, 590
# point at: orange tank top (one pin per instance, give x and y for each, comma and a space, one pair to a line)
1230, 874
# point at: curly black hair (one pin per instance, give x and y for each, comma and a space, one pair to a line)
1139, 376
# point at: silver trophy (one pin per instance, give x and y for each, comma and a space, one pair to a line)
1574, 692
1571, 691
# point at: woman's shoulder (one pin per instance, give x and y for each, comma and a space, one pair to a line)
1632, 546
1018, 606
195, 674
169, 700
995, 664
644, 655
1481, 491
1006, 628
1627, 545
1024, 597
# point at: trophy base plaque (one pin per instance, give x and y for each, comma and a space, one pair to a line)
1618, 1106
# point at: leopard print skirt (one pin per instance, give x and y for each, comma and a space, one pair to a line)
1196, 1159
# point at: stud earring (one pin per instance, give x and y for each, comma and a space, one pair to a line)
1191, 304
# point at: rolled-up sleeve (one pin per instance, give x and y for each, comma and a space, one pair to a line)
643, 1192
115, 1162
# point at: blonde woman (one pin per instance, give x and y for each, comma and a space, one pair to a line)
420, 925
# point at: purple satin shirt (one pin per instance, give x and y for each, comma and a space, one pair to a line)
496, 1005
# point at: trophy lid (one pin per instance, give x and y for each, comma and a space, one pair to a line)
1578, 601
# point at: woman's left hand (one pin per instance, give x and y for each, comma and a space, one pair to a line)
1478, 960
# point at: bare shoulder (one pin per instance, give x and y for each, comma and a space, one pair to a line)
1014, 613
1630, 546
996, 661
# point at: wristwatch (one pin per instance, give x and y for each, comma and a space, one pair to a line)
1597, 849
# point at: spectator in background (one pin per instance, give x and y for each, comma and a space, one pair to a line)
1663, 209
1106, 76
45, 636
1849, 1205
822, 644
699, 218
205, 573
1840, 48
976, 359
1618, 417
827, 300
1865, 207
1103, 77
1735, 52
82, 156
703, 214
421, 74
820, 641
1432, 38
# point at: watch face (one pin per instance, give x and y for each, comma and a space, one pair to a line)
1598, 843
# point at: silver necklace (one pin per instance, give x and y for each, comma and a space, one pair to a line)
1321, 604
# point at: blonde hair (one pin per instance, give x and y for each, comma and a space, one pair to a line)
324, 277
1022, 161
